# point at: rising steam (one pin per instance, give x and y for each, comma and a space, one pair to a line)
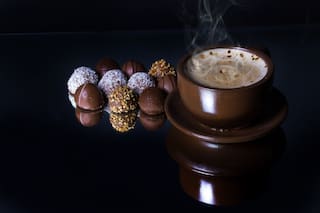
208, 27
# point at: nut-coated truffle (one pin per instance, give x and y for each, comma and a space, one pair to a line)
122, 100
168, 83
80, 76
152, 122
151, 101
161, 68
140, 81
88, 118
123, 122
131, 67
89, 97
106, 64
111, 80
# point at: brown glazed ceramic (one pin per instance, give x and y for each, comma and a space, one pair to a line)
270, 117
230, 107
223, 174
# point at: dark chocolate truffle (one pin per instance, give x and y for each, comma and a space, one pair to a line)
151, 101
161, 68
131, 67
89, 97
106, 64
123, 122
88, 118
152, 122
122, 99
167, 83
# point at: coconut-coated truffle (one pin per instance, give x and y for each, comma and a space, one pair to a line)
140, 81
81, 75
111, 80
151, 101
161, 68
71, 99
122, 99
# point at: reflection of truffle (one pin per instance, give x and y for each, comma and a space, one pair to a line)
167, 83
71, 99
111, 80
151, 101
131, 67
89, 97
88, 118
152, 122
122, 100
106, 64
140, 81
161, 68
123, 122
80, 76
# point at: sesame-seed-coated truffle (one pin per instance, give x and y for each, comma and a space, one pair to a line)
123, 122
81, 75
111, 80
122, 100
140, 81
161, 68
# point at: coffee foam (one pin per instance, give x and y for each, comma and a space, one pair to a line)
226, 68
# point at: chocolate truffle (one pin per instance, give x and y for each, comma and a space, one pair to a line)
140, 81
88, 118
111, 80
167, 83
161, 68
151, 101
80, 76
122, 100
152, 122
106, 64
89, 97
123, 122
131, 67
71, 99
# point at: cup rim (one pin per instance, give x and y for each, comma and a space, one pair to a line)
261, 54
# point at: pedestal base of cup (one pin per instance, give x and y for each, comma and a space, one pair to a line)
215, 190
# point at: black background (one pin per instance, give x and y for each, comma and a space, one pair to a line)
94, 15
50, 163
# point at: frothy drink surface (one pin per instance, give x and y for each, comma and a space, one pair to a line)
226, 68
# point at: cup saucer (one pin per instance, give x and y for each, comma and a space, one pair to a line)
274, 113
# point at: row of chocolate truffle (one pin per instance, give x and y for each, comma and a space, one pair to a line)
122, 98
114, 84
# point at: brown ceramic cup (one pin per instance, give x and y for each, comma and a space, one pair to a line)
219, 107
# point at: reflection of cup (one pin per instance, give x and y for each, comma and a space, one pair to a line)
225, 87
206, 167
88, 118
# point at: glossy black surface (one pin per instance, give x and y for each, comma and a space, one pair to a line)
50, 163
